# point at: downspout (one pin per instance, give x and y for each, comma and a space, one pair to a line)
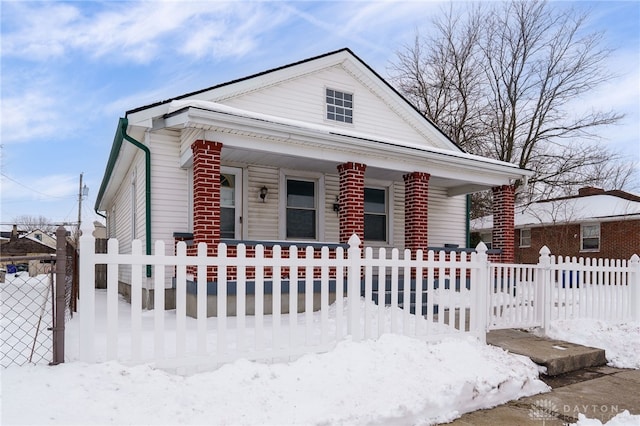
468, 221
121, 135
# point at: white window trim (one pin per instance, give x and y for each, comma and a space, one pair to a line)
521, 243
239, 198
318, 178
344, 89
388, 187
582, 226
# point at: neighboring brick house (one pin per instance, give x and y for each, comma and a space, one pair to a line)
308, 153
593, 223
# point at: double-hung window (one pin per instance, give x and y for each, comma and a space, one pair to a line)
487, 238
525, 237
590, 237
227, 205
375, 214
301, 209
339, 106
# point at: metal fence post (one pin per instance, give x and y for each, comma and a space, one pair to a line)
59, 308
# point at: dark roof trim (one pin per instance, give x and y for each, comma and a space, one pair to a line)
346, 49
238, 80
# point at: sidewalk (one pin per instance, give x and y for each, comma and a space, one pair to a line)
598, 392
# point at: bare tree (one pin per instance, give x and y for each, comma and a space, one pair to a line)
29, 223
499, 79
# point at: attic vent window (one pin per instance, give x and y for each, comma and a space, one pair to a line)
339, 106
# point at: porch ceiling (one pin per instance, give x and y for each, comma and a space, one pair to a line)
291, 161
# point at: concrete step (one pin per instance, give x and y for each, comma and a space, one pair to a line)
557, 356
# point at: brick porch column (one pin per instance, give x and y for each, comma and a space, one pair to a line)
351, 200
416, 210
206, 194
503, 221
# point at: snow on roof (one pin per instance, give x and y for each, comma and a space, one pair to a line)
599, 207
176, 106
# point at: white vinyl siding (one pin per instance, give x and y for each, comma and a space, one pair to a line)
397, 224
262, 220
303, 99
123, 212
447, 218
169, 188
332, 222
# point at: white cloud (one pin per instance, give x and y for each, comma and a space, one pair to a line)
136, 31
43, 188
33, 115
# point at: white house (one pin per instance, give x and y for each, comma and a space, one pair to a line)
310, 152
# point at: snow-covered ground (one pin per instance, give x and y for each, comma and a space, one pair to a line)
621, 342
394, 380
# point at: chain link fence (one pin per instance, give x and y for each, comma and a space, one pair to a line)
29, 303
27, 317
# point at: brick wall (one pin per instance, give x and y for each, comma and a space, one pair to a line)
351, 200
503, 221
416, 210
206, 196
618, 240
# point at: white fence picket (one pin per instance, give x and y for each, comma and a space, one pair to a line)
221, 332
158, 303
181, 300
453, 295
136, 303
112, 303
201, 300
259, 301
293, 297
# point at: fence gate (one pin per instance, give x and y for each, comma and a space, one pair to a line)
515, 296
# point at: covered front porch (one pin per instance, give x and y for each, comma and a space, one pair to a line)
291, 173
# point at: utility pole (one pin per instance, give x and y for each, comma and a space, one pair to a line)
83, 191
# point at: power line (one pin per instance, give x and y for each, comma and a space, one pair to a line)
34, 190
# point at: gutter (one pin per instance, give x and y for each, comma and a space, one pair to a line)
120, 136
468, 221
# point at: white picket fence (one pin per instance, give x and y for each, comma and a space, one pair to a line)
449, 297
429, 297
524, 296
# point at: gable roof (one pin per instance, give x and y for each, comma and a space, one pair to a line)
425, 149
255, 81
591, 204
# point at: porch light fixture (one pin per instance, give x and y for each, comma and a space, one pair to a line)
336, 206
263, 193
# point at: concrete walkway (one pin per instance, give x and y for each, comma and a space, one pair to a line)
599, 392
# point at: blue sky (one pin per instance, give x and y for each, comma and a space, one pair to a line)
71, 69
